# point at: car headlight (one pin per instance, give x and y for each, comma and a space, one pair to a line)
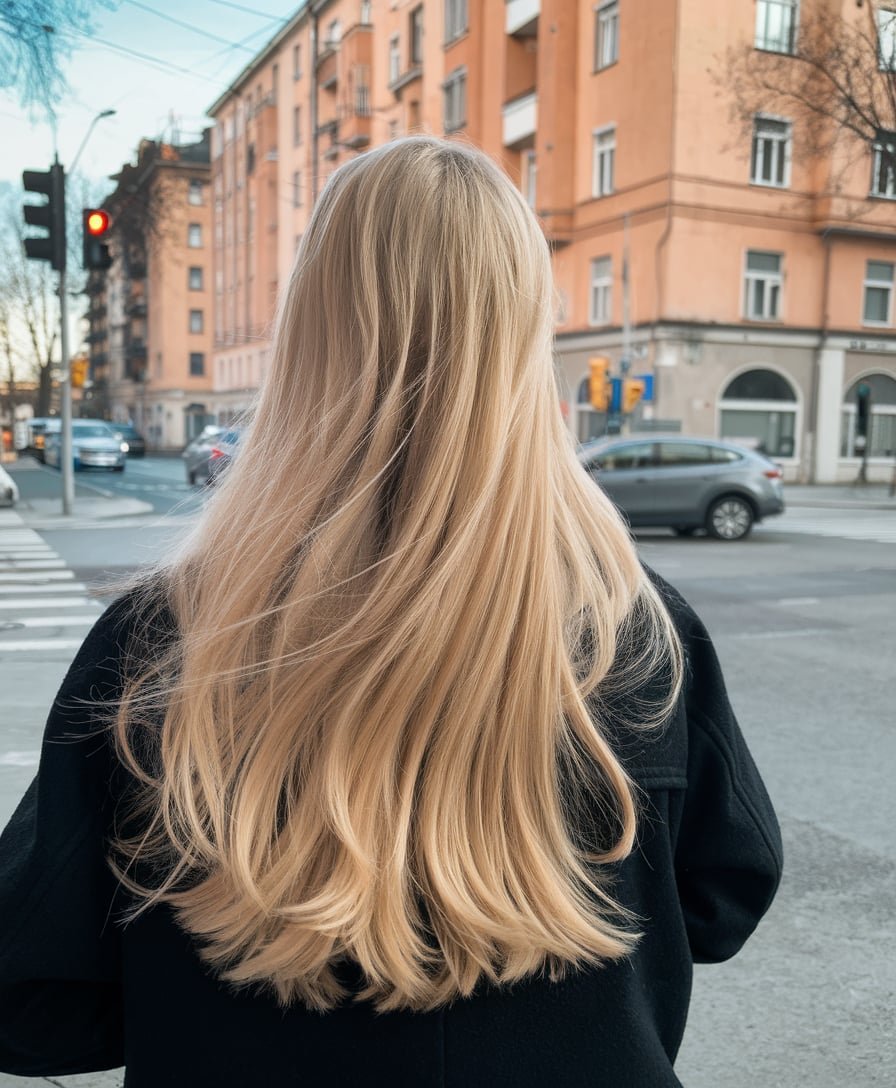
125, 447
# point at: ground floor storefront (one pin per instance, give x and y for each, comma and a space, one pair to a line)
819, 405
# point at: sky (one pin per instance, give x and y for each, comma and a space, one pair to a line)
163, 91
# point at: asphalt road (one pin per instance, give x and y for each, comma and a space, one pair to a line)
804, 625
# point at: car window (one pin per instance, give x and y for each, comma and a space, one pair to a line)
630, 455
682, 454
722, 456
95, 431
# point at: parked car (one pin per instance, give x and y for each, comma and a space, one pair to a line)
222, 454
197, 453
94, 445
132, 438
686, 483
9, 492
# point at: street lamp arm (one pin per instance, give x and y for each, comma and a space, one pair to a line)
87, 134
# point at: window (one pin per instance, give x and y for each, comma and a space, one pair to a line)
455, 88
604, 163
416, 35
334, 33
632, 455
195, 194
196, 321
195, 279
762, 287
194, 236
886, 40
606, 35
876, 435
759, 410
684, 454
275, 78
876, 309
365, 12
883, 171
297, 62
197, 364
297, 189
393, 130
296, 125
529, 177
394, 58
455, 19
600, 310
250, 159
776, 25
770, 161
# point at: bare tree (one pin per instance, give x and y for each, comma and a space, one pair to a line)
35, 37
838, 85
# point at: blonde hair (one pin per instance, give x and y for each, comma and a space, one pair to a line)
396, 624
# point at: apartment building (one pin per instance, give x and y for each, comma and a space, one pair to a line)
150, 314
751, 286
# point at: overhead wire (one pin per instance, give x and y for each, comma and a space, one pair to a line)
187, 26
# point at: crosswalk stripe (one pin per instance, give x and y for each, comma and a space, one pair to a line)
39, 644
44, 602
45, 587
51, 621
35, 576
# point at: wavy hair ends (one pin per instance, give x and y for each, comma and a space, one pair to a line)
377, 716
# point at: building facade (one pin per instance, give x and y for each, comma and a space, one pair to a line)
752, 285
150, 313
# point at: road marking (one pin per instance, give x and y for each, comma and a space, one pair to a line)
791, 601
34, 574
19, 759
74, 587
49, 621
30, 645
45, 602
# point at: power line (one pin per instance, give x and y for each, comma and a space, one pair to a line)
250, 11
188, 26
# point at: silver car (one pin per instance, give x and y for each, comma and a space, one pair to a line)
94, 445
196, 455
686, 483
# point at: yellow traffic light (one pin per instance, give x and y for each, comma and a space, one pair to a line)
632, 391
599, 387
78, 368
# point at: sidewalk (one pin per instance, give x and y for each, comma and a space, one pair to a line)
840, 496
40, 504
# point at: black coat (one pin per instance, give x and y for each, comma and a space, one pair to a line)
79, 992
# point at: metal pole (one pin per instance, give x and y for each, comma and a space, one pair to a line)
67, 466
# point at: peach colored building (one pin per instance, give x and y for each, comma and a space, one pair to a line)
150, 315
757, 294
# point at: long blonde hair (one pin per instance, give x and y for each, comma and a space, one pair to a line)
396, 621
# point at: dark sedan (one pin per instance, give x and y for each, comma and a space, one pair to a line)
131, 437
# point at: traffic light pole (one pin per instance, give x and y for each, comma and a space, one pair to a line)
65, 386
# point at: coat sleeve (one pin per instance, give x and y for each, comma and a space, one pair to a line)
60, 965
728, 854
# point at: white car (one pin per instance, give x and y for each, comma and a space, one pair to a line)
94, 445
9, 493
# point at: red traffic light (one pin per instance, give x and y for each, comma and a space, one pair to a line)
96, 222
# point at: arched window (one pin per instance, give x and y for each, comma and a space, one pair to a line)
759, 408
881, 436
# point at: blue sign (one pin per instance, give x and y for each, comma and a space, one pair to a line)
647, 379
616, 396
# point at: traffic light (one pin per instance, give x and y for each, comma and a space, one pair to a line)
599, 383
78, 369
51, 215
863, 409
632, 391
96, 252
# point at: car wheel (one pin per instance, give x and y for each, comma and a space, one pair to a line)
684, 530
118, 468
191, 477
730, 518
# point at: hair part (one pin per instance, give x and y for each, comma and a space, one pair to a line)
396, 622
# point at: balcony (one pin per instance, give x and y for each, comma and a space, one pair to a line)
522, 17
410, 76
136, 306
327, 70
520, 119
136, 351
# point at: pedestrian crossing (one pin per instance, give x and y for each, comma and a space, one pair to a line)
44, 610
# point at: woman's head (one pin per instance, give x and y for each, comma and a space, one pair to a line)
390, 619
